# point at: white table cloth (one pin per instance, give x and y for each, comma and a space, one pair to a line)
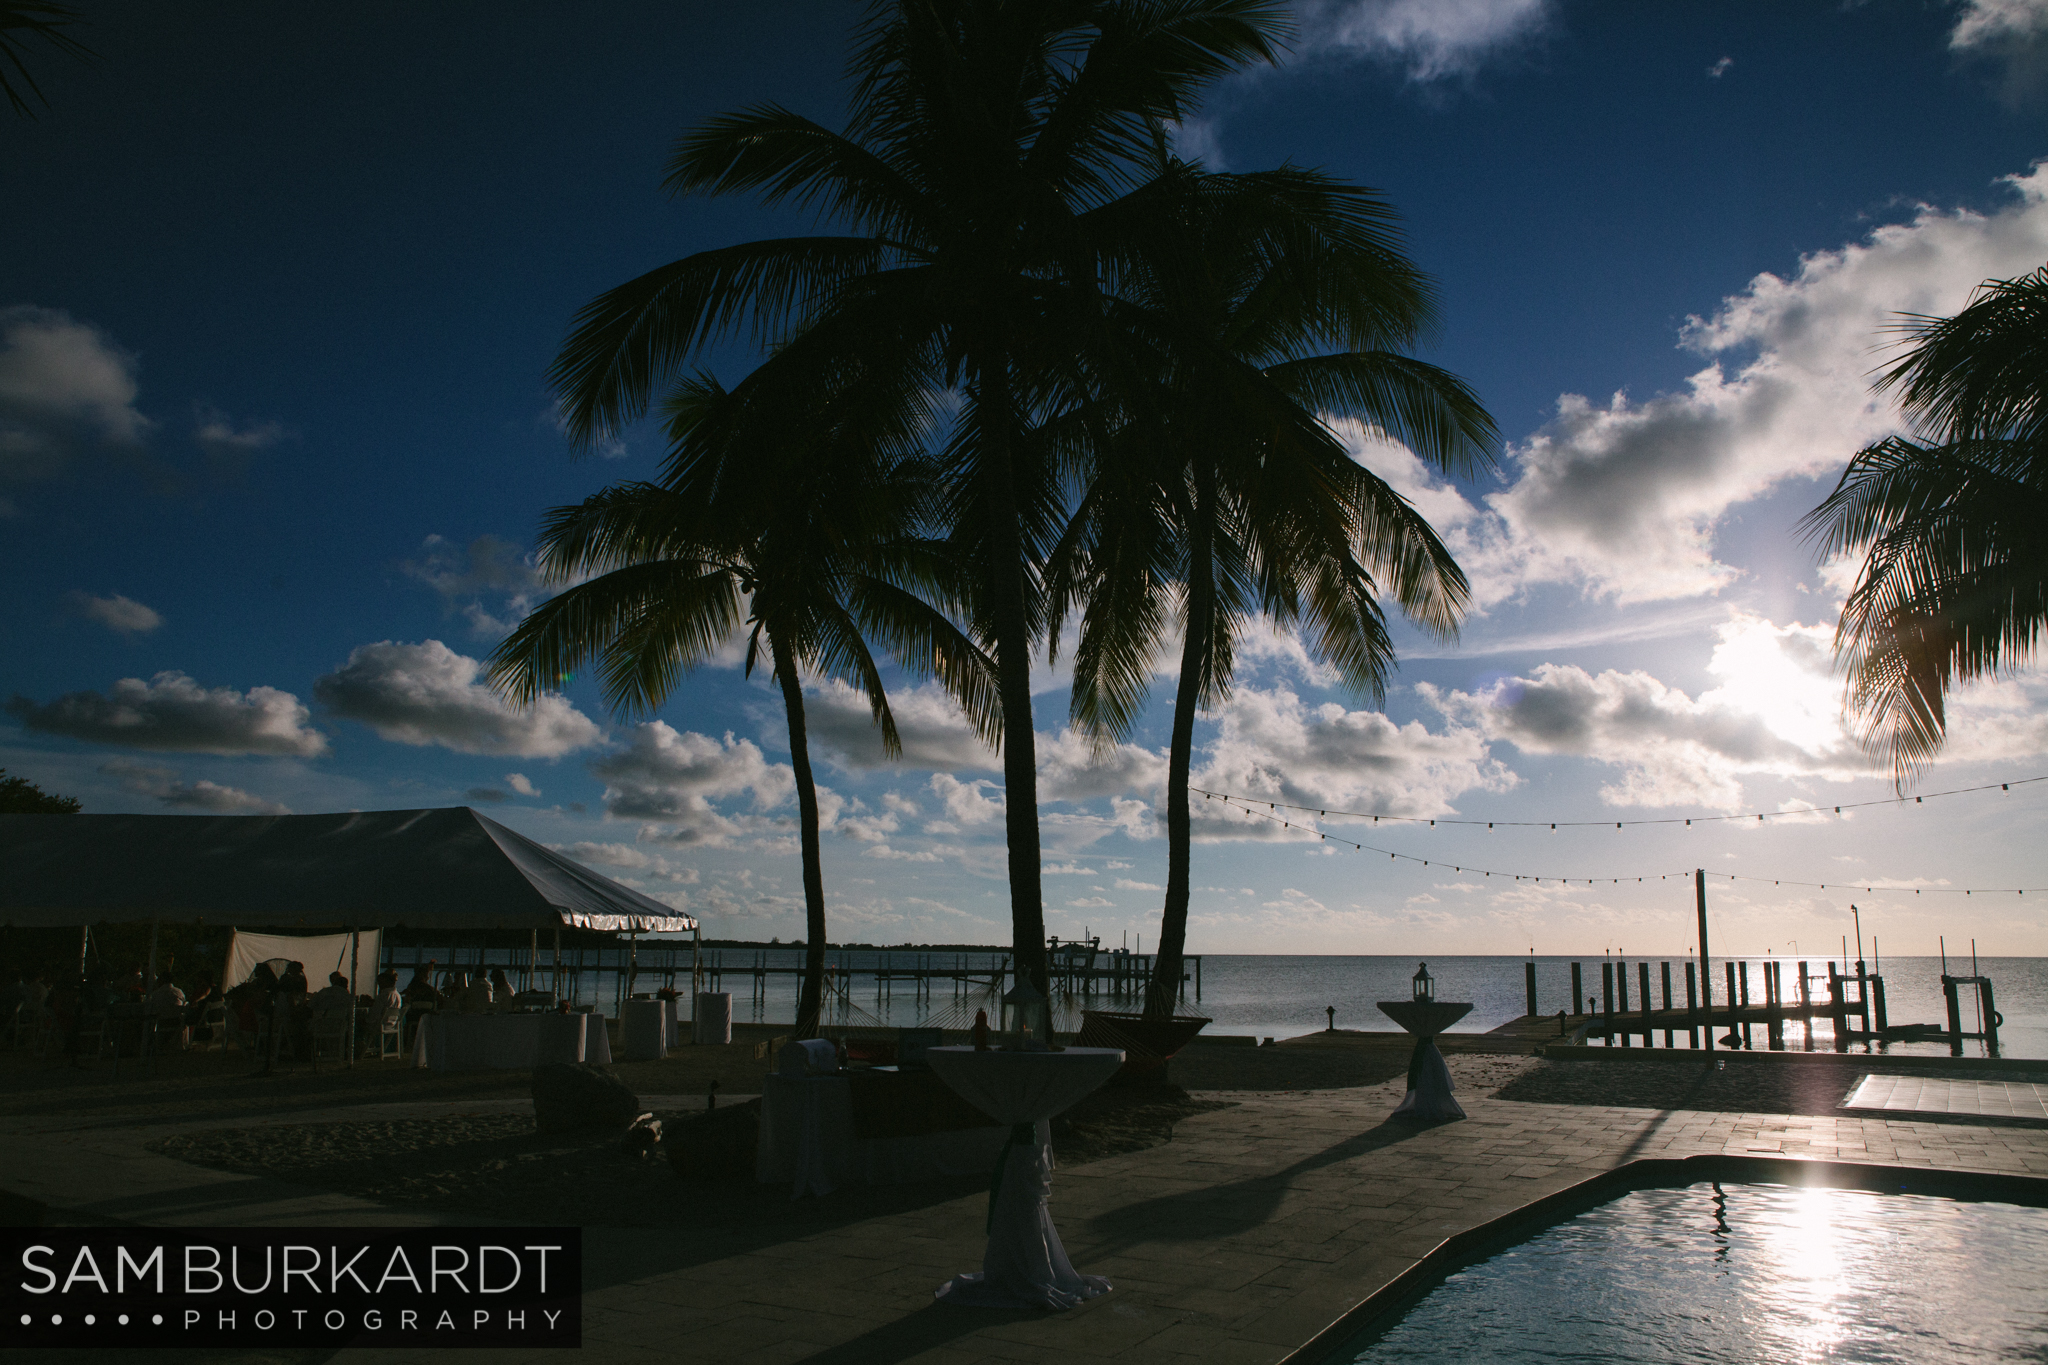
1429, 1079
507, 1042
643, 1030
807, 1138
712, 1022
1024, 1264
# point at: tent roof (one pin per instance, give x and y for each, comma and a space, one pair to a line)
448, 868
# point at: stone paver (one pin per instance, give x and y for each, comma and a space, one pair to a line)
1238, 1241
1928, 1095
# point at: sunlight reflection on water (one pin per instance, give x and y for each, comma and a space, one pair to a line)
1764, 1273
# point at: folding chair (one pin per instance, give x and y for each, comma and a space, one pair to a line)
329, 1029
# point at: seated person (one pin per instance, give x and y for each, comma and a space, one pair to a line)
420, 990
199, 997
166, 999
336, 989
476, 995
130, 987
501, 991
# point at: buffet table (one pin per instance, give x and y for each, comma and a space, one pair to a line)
508, 1042
1024, 1264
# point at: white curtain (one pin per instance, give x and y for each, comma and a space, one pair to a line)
321, 954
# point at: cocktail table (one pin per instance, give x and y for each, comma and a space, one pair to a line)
1429, 1080
1024, 1265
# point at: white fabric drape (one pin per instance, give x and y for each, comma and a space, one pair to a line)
322, 953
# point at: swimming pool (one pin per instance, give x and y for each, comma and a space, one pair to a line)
1727, 1272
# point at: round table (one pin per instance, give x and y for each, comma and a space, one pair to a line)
1429, 1080
1024, 1265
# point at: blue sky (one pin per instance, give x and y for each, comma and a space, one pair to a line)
278, 290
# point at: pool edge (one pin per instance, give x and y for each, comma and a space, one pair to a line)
1477, 1242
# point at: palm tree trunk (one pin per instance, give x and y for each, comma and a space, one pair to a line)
811, 996
1011, 623
1167, 968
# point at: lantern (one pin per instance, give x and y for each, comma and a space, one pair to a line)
1026, 1017
1425, 985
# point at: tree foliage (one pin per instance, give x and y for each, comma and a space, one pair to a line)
1951, 522
19, 796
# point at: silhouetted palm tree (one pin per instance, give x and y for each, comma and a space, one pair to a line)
797, 524
988, 143
21, 20
1952, 523
1226, 497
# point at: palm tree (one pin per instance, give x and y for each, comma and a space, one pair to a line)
988, 144
797, 524
1227, 497
1952, 522
21, 20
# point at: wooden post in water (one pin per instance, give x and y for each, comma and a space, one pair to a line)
1607, 1000
1744, 973
1621, 998
1699, 891
1578, 991
1692, 1006
1529, 982
1733, 1015
1667, 1004
1643, 970
1838, 1008
1990, 1015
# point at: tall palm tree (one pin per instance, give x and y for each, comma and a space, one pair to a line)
21, 20
1952, 522
1226, 497
987, 143
799, 525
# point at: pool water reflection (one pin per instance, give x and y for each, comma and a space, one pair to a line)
1742, 1273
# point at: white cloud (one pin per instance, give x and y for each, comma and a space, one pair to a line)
124, 615
65, 388
519, 783
1126, 884
968, 803
163, 784
172, 713
1775, 713
628, 858
1625, 498
1430, 39
934, 732
230, 446
1720, 68
1069, 769
673, 776
1090, 903
2010, 34
428, 694
1273, 746
924, 855
491, 582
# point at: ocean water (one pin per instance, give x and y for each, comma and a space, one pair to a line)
1279, 996
1769, 1274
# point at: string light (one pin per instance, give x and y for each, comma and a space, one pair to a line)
1228, 797
1540, 878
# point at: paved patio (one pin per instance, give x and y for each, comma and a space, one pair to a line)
1238, 1241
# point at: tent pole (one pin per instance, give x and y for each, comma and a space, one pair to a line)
555, 983
84, 940
355, 945
148, 1024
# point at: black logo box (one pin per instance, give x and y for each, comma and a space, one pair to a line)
142, 1288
